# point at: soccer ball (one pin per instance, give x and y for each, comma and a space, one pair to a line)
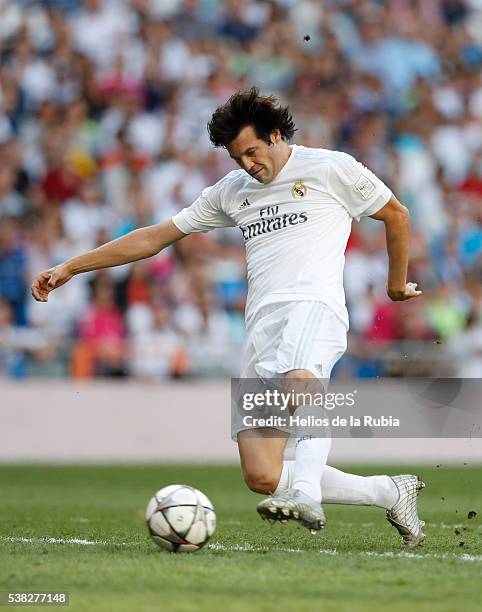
180, 518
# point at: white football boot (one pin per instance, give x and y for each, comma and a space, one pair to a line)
404, 514
295, 505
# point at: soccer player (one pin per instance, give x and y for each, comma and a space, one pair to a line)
294, 206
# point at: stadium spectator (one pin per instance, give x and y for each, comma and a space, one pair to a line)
100, 349
13, 270
158, 349
19, 346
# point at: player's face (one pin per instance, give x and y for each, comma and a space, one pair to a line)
261, 160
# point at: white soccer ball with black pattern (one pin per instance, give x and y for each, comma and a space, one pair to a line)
180, 518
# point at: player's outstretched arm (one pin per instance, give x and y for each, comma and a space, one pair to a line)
397, 227
136, 245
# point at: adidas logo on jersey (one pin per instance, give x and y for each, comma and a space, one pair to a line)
245, 204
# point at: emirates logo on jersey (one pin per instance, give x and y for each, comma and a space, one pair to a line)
273, 224
299, 190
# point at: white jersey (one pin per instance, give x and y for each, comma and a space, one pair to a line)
296, 227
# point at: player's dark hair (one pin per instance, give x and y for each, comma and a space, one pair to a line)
263, 113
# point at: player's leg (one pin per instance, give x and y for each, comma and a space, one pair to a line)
302, 501
265, 472
312, 340
340, 487
312, 447
260, 449
261, 454
397, 495
343, 488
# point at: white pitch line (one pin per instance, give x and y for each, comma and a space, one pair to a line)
61, 541
410, 555
249, 548
332, 552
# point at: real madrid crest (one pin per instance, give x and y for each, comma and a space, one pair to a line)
299, 190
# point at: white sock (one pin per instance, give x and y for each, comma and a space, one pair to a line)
310, 457
286, 477
341, 488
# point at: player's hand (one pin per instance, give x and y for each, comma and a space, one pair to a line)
408, 293
49, 280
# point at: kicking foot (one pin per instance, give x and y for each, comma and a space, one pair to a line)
294, 505
404, 514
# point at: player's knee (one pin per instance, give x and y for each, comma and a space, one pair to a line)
298, 380
301, 384
261, 482
298, 374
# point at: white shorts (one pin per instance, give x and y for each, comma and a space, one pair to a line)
293, 336
304, 335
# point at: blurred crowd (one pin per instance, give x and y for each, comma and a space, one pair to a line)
103, 112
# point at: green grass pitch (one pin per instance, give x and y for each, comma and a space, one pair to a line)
356, 563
